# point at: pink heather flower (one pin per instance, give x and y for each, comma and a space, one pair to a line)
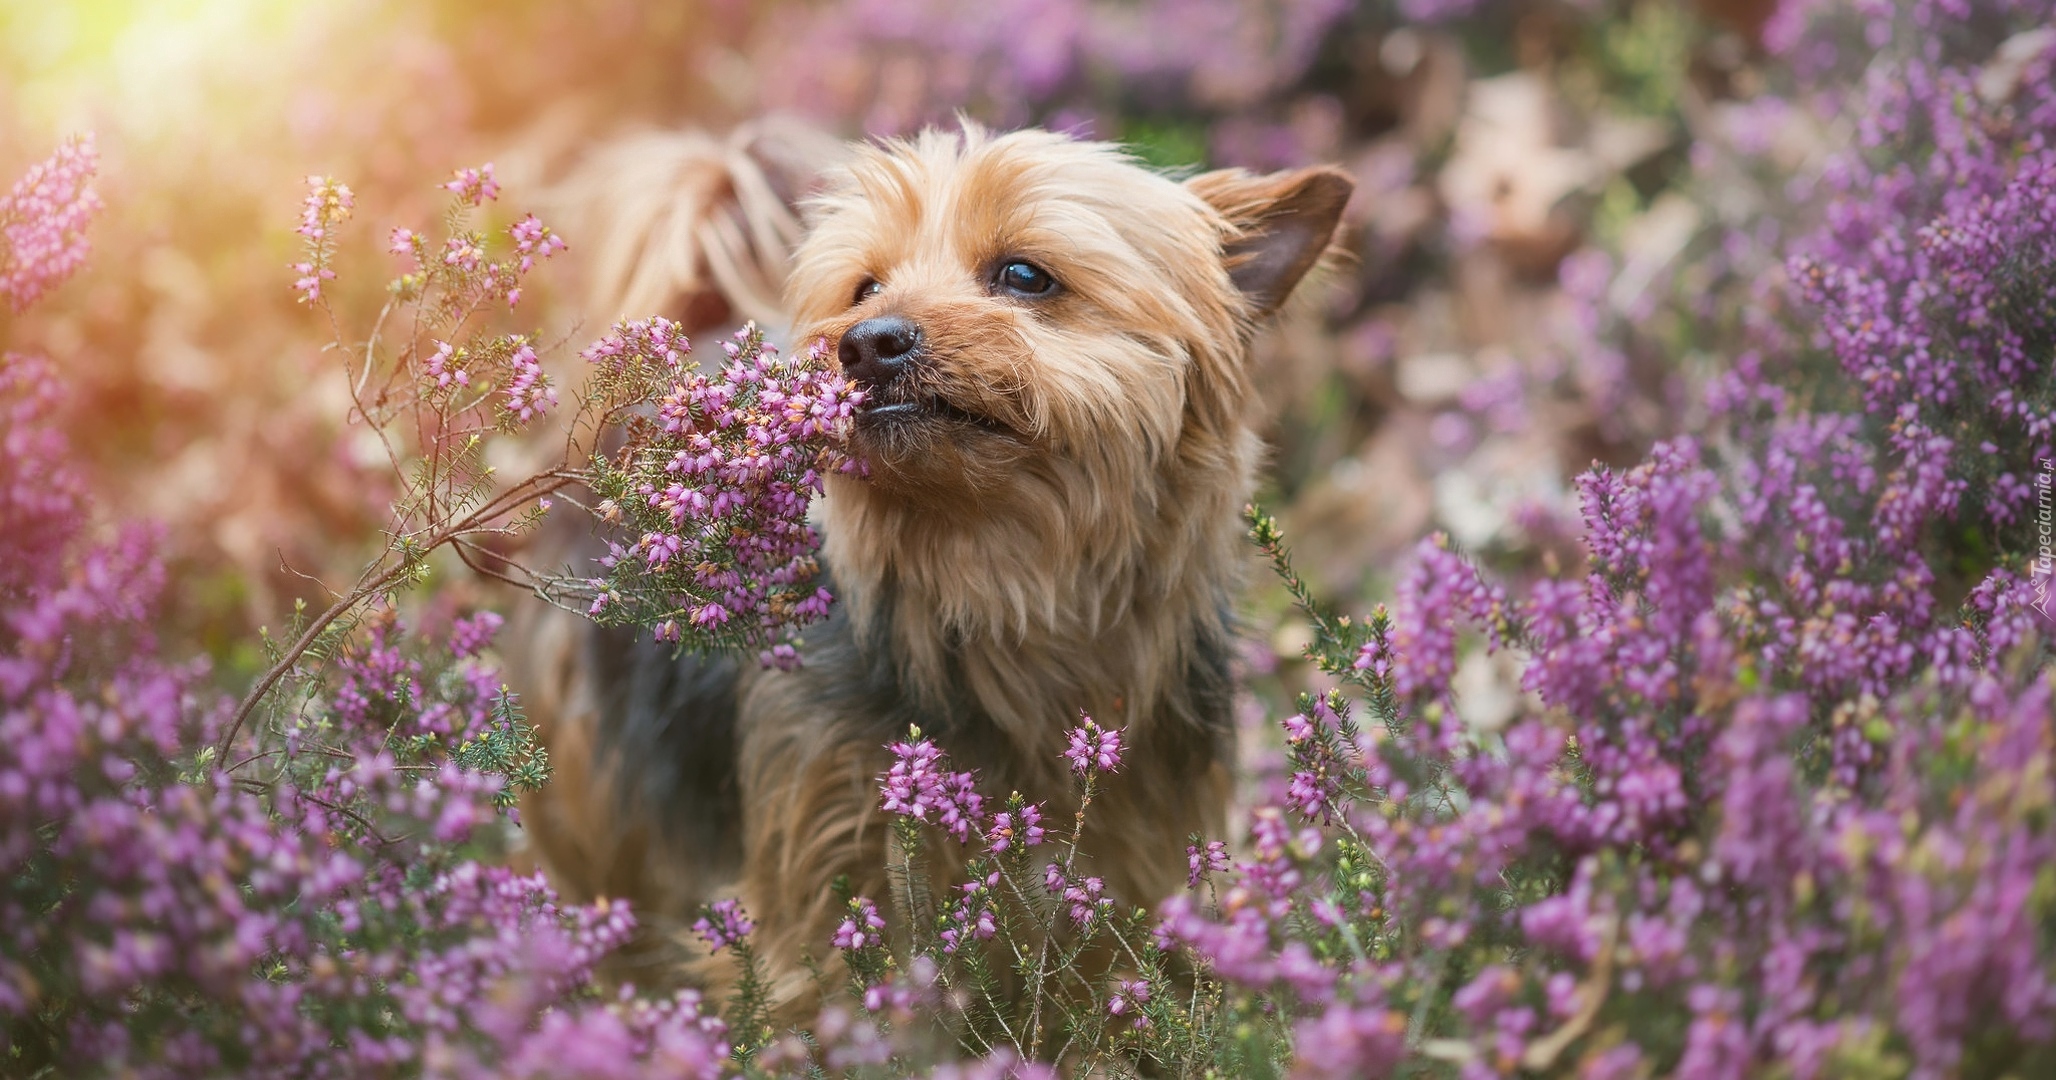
736, 457
534, 240
444, 366
912, 786
918, 783
1130, 995
1201, 862
659, 339
474, 187
1312, 795
1349, 1041
1375, 656
529, 393
1087, 899
473, 635
723, 923
403, 241
43, 222
463, 252
1438, 593
971, 919
963, 809
1094, 749
863, 928
1009, 827
308, 284
327, 204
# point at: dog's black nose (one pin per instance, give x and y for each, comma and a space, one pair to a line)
877, 351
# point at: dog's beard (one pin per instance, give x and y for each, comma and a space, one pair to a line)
892, 414
924, 447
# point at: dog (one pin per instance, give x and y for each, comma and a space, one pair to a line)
1059, 434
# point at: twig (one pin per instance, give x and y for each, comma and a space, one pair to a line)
1049, 930
535, 487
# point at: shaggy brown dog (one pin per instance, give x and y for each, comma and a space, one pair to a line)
1055, 344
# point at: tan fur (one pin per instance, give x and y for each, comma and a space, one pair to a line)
1077, 550
683, 224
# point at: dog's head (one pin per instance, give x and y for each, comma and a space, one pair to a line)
1028, 310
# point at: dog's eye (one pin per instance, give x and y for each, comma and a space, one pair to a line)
870, 288
1025, 279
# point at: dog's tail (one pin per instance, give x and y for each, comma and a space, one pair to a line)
695, 227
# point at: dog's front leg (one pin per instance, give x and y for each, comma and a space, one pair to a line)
809, 785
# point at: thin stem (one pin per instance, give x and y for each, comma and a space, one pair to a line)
1050, 925
299, 648
534, 487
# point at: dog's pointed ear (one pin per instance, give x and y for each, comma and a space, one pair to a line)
1285, 223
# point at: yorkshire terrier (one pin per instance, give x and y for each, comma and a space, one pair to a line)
1059, 437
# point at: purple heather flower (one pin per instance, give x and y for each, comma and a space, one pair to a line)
474, 186
327, 205
43, 222
919, 783
534, 240
723, 923
529, 393
862, 928
474, 634
1129, 995
1213, 859
1093, 749
1349, 1041
1087, 899
1436, 596
720, 501
1011, 827
971, 918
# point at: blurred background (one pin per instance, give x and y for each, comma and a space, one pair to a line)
1547, 188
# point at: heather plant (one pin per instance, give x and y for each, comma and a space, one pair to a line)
43, 223
713, 473
316, 906
714, 487
323, 892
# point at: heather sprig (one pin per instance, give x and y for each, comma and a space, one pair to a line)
723, 924
703, 481
1027, 911
43, 220
433, 398
327, 205
710, 494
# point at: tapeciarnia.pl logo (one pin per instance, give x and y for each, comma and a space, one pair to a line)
2045, 534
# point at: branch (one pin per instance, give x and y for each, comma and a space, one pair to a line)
533, 488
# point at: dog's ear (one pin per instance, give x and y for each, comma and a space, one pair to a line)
1284, 223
